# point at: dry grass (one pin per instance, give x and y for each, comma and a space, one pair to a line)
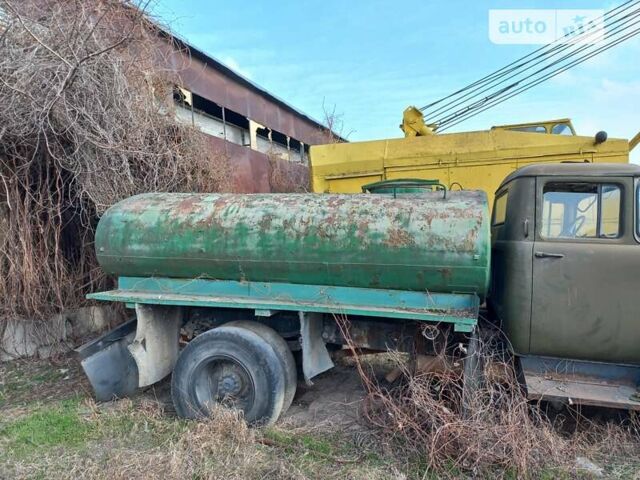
67, 438
127, 440
489, 431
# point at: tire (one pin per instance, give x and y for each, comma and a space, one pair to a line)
230, 365
283, 352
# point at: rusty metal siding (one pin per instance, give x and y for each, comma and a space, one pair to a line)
205, 80
251, 169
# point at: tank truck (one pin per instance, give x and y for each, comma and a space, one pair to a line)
235, 293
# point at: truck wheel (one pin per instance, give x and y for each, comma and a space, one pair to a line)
282, 351
233, 366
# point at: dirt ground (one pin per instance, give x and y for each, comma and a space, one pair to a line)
46, 405
50, 427
334, 396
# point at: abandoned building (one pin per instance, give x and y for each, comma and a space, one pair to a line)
246, 122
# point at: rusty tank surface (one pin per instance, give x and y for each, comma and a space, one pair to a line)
433, 241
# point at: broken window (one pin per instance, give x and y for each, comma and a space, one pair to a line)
561, 129
580, 210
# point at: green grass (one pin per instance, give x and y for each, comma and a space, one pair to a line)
316, 445
57, 425
312, 446
66, 425
48, 376
18, 380
53, 439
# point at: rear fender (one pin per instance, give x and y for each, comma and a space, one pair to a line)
155, 347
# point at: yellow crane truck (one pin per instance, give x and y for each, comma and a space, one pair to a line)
477, 160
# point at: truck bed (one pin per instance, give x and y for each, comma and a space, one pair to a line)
459, 309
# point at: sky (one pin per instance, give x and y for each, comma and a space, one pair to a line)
370, 59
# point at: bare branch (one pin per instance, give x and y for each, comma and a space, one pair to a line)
81, 130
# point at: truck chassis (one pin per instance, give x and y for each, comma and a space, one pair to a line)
143, 352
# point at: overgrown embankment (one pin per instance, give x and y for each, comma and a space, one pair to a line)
86, 120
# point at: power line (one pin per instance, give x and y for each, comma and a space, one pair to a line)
613, 28
478, 90
532, 84
502, 91
496, 99
517, 63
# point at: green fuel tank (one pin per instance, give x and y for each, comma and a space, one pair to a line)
423, 242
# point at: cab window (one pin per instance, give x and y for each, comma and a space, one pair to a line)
530, 129
561, 129
500, 208
580, 210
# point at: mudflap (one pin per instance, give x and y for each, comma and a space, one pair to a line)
135, 354
155, 348
108, 363
315, 356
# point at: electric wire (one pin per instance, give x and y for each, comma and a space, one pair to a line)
546, 51
611, 29
445, 119
614, 29
465, 116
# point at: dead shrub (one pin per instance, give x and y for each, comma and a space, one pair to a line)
489, 430
286, 176
86, 121
220, 447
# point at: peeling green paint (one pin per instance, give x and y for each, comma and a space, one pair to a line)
419, 243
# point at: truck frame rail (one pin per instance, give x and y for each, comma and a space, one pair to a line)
458, 309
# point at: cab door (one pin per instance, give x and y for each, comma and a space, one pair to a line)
585, 264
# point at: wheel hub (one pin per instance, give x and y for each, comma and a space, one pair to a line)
223, 380
229, 385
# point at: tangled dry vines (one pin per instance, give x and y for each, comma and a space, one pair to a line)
86, 120
489, 431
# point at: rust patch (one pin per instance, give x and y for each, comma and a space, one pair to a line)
140, 205
363, 228
187, 205
446, 274
399, 238
471, 239
265, 222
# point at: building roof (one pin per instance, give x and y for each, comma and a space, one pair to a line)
236, 77
575, 169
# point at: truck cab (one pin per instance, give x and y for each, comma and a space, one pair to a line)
564, 285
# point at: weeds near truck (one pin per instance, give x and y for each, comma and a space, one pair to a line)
139, 440
429, 419
142, 438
